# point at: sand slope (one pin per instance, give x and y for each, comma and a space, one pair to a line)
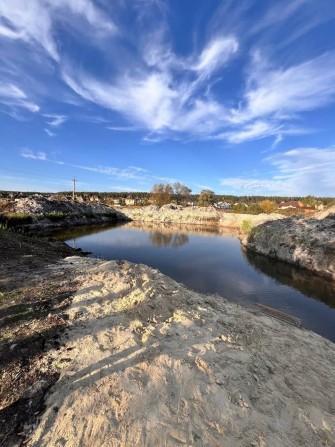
147, 362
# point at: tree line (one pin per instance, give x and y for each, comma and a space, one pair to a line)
166, 193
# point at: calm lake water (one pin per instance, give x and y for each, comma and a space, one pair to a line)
212, 261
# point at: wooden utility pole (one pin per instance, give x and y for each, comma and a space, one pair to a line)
74, 188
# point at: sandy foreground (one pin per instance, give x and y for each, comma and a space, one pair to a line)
147, 362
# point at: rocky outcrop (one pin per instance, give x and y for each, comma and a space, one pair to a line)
307, 243
196, 215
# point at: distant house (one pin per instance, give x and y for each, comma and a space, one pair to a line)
117, 202
130, 201
222, 205
290, 205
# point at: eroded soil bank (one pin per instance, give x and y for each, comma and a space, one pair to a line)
307, 243
40, 214
33, 302
196, 215
145, 361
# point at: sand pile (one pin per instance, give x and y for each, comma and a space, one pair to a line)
147, 362
178, 214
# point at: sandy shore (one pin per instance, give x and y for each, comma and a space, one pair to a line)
147, 362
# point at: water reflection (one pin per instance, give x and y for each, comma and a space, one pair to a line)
83, 230
187, 229
321, 289
159, 239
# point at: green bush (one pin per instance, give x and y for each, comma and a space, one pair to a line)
255, 208
240, 208
246, 226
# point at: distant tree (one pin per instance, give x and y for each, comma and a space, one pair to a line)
240, 208
168, 191
206, 198
255, 208
182, 192
268, 206
309, 201
161, 194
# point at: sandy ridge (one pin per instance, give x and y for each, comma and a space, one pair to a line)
147, 362
178, 214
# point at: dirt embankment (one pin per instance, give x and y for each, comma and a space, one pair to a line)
149, 362
307, 243
178, 214
33, 302
39, 213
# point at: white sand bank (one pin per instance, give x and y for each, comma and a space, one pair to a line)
147, 362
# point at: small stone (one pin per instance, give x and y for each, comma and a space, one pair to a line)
269, 367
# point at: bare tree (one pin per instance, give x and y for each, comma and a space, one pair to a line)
182, 192
161, 194
206, 198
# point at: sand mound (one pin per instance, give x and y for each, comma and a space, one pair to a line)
178, 214
147, 362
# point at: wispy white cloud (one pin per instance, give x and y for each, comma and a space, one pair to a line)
51, 134
277, 140
299, 171
216, 54
134, 173
56, 120
131, 172
35, 24
278, 12
253, 186
161, 102
153, 101
156, 89
252, 131
284, 92
27, 153
13, 97
275, 98
122, 128
31, 24
147, 100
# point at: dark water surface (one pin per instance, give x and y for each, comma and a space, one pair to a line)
211, 261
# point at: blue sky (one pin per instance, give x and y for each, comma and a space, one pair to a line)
235, 96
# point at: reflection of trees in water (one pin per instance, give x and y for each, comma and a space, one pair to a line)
306, 282
84, 230
160, 239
